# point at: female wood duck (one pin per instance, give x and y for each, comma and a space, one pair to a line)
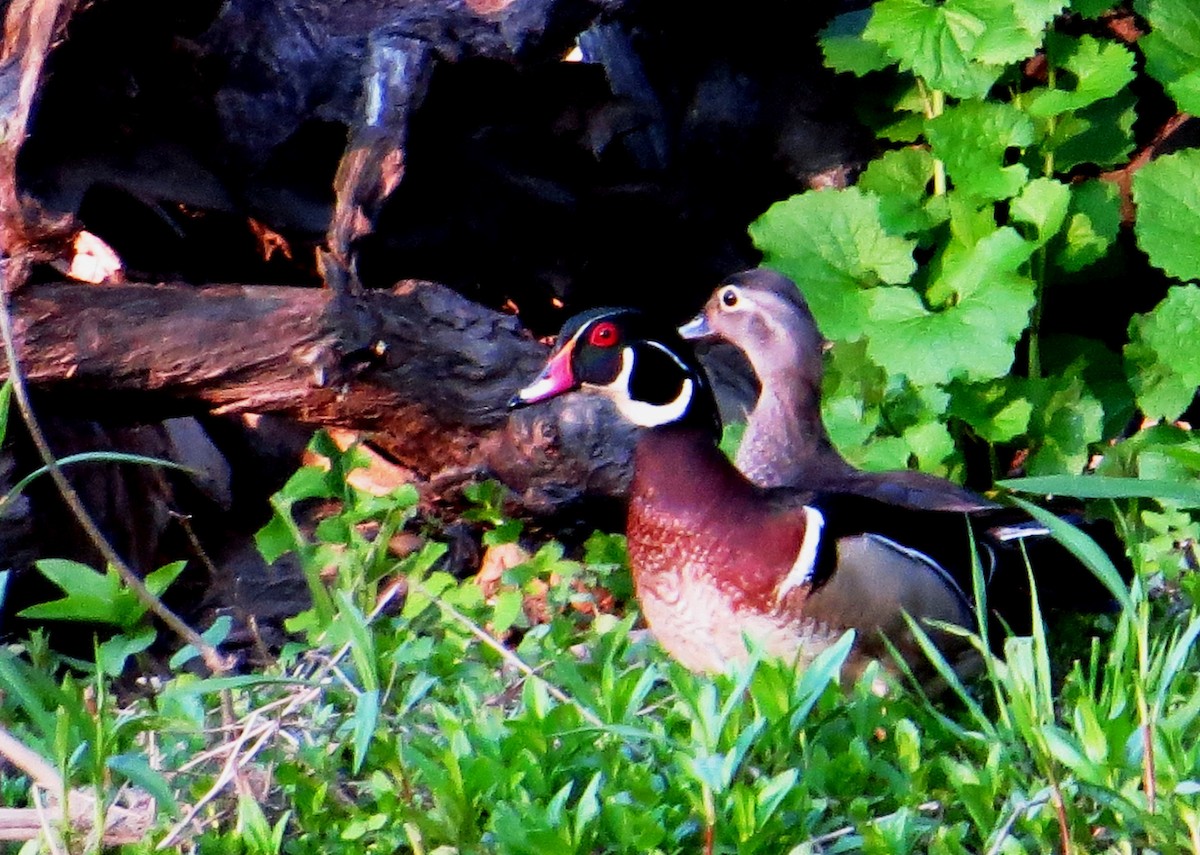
716, 559
785, 443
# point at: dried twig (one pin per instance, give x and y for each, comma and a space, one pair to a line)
216, 663
125, 823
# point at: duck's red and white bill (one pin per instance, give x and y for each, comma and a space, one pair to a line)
555, 379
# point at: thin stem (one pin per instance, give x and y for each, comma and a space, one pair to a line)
935, 105
1040, 267
216, 663
512, 658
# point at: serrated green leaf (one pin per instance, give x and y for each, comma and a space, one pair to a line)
1014, 28
901, 180
1065, 419
1103, 375
1101, 133
1163, 362
994, 410
1093, 221
845, 48
1092, 8
934, 41
1087, 70
973, 139
974, 336
832, 244
1186, 91
1167, 194
1043, 203
1172, 48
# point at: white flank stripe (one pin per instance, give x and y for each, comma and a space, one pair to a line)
806, 559
1020, 531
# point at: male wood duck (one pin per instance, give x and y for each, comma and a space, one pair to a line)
763, 313
717, 559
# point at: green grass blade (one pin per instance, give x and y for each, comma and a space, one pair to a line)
91, 457
1085, 549
1175, 660
1107, 487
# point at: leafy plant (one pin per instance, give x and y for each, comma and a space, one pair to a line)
998, 118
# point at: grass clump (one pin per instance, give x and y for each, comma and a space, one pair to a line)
444, 721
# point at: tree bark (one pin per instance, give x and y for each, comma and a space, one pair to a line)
427, 371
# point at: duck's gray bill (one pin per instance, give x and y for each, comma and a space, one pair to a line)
696, 328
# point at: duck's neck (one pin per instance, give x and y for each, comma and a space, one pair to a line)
785, 433
682, 467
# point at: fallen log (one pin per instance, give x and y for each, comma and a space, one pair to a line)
424, 370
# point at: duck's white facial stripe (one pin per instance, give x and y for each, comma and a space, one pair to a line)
806, 559
641, 413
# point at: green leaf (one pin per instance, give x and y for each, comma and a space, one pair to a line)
214, 635
1167, 194
310, 482
1172, 49
507, 610
90, 596
1087, 70
1065, 419
1092, 8
366, 717
5, 403
832, 244
1085, 549
1093, 221
771, 794
80, 579
275, 539
974, 336
901, 180
973, 139
1014, 29
1162, 359
159, 580
1057, 415
135, 768
994, 410
1043, 203
114, 653
845, 48
1103, 373
934, 41
1101, 134
1107, 487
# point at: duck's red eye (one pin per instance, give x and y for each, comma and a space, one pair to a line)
603, 334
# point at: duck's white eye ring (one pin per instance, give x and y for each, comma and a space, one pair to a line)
729, 297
